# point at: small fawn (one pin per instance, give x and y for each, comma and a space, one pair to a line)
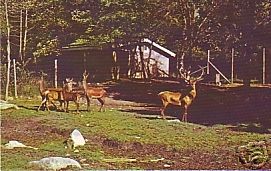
179, 98
93, 92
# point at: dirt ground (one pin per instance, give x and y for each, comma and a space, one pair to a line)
32, 130
212, 106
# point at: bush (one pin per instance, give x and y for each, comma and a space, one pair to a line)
26, 82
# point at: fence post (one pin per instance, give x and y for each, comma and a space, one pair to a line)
263, 65
15, 79
232, 64
55, 73
208, 62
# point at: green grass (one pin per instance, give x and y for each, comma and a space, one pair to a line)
15, 160
116, 125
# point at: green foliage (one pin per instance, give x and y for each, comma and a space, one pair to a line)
26, 83
48, 48
187, 27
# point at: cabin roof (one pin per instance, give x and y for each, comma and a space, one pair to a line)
85, 47
123, 46
145, 41
159, 47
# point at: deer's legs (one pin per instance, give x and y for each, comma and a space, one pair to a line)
88, 102
66, 106
51, 101
60, 105
102, 103
77, 106
163, 109
184, 119
44, 103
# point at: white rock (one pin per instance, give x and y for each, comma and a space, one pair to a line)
76, 151
174, 120
5, 105
16, 144
55, 163
77, 138
166, 165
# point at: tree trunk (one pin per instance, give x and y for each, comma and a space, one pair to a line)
25, 36
148, 63
141, 54
8, 49
21, 37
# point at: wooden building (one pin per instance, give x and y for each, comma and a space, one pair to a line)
73, 61
102, 63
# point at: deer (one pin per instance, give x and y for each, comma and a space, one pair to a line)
93, 92
49, 94
43, 93
69, 95
181, 99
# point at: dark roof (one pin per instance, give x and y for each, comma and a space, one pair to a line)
156, 47
85, 47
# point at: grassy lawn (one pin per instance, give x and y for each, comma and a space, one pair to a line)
114, 136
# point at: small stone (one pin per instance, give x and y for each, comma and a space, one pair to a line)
85, 164
166, 165
83, 160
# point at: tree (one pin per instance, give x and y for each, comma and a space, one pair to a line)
244, 26
8, 47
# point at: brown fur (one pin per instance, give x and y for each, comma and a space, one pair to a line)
49, 95
69, 95
178, 99
93, 92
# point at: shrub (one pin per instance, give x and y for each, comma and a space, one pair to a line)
26, 82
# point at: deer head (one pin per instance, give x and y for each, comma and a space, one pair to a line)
85, 75
42, 75
69, 84
186, 75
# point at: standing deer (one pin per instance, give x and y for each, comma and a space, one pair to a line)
49, 94
93, 92
181, 99
69, 95
43, 93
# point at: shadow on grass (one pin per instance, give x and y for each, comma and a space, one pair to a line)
213, 105
34, 108
53, 109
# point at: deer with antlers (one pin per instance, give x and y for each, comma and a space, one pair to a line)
93, 92
181, 99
